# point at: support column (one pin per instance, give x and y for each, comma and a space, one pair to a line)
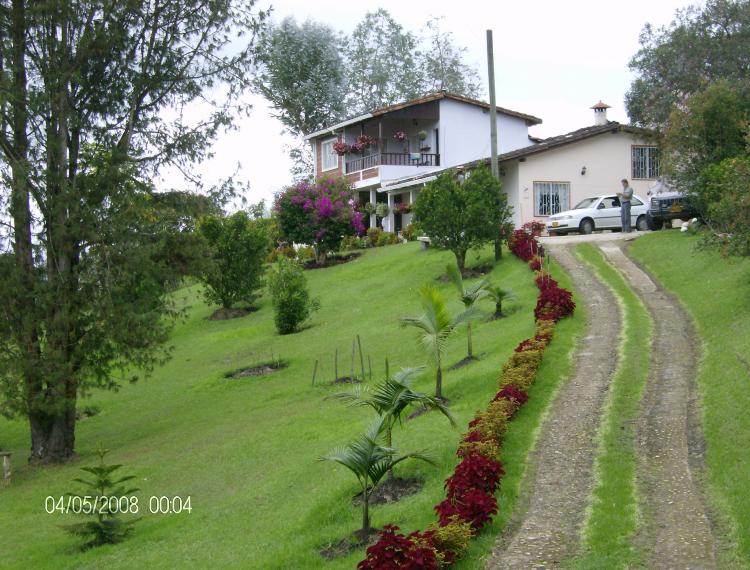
391, 222
373, 200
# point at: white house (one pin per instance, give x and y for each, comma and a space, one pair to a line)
454, 131
555, 174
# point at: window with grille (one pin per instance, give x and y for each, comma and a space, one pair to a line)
645, 162
329, 156
551, 198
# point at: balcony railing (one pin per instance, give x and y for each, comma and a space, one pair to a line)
392, 159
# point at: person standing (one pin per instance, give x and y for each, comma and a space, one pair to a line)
625, 196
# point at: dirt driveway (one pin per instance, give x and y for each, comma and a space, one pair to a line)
675, 531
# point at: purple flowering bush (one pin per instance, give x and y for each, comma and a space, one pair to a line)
318, 214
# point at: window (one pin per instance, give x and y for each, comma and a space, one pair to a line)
551, 198
645, 162
609, 202
329, 159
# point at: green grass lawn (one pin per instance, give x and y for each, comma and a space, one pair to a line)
612, 516
245, 450
716, 292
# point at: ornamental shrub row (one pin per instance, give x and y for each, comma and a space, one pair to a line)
470, 501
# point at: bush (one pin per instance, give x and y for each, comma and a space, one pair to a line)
554, 303
351, 243
373, 235
474, 472
536, 263
319, 214
238, 248
524, 246
451, 540
305, 253
395, 551
291, 301
512, 393
387, 238
284, 250
409, 233
474, 507
475, 443
544, 280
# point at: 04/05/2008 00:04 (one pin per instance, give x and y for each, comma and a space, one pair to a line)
129, 504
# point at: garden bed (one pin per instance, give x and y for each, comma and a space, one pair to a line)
331, 261
257, 370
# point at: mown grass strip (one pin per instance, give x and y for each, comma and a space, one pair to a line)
613, 514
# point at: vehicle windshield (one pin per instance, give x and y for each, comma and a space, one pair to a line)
587, 203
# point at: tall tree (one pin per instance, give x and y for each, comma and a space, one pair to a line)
381, 63
442, 63
302, 74
701, 45
83, 92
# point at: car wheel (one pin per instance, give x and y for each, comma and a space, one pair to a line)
640, 224
587, 226
654, 223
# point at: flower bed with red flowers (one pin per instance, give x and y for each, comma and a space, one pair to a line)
470, 501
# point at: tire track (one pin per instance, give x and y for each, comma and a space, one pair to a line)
676, 531
560, 475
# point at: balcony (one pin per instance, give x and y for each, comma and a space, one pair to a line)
392, 159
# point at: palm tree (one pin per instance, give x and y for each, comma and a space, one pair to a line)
498, 295
469, 296
391, 398
370, 461
435, 326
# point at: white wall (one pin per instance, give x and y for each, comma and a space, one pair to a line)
509, 182
607, 158
465, 133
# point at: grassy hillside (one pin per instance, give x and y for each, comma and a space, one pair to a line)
716, 292
245, 450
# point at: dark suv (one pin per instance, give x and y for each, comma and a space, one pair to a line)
666, 205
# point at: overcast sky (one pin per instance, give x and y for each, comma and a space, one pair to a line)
553, 60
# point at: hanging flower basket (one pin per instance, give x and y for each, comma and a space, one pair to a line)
341, 148
382, 210
400, 136
369, 208
402, 208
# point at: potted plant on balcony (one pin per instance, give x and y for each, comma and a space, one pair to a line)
423, 137
341, 148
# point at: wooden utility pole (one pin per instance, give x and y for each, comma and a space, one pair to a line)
493, 108
493, 127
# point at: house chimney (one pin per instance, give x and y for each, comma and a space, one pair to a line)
600, 113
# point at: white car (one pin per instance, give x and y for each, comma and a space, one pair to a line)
598, 213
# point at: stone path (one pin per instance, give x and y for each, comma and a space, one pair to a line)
562, 463
675, 531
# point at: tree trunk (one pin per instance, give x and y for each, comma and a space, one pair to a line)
439, 383
460, 260
52, 436
365, 509
320, 255
498, 249
389, 444
498, 309
468, 335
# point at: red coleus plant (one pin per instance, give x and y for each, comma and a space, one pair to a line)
511, 392
554, 303
544, 281
395, 551
524, 246
474, 472
536, 264
475, 507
